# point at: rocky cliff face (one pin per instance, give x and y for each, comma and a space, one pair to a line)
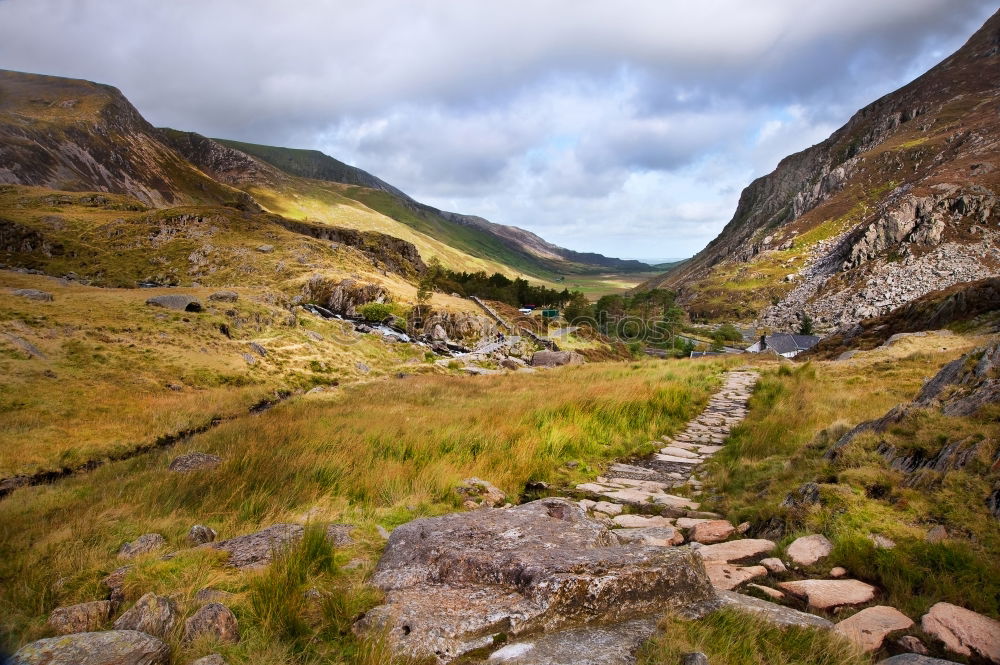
900, 201
76, 135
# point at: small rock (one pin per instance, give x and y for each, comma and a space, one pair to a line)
767, 591
963, 631
657, 536
838, 572
881, 542
224, 296
742, 528
213, 620
912, 644
110, 647
806, 495
689, 522
256, 550
382, 531
712, 531
696, 658
556, 358
151, 614
211, 659
363, 368
807, 550
608, 508
177, 301
774, 564
200, 534
827, 594
703, 515
212, 596
194, 462
34, 294
728, 577
937, 534
642, 521
771, 612
258, 349
265, 249
487, 494
915, 659
81, 618
736, 550
144, 544
869, 627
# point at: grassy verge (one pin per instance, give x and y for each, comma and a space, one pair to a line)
383, 453
797, 413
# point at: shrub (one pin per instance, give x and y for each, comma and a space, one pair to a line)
376, 311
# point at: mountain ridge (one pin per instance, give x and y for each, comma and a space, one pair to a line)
803, 226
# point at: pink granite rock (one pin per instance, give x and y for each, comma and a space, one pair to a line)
963, 631
869, 627
826, 594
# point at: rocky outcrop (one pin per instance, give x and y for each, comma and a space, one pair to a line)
113, 647
342, 297
456, 583
176, 301
872, 217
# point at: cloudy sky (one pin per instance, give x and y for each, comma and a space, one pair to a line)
625, 127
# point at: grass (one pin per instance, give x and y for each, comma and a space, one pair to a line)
117, 374
382, 453
797, 412
730, 637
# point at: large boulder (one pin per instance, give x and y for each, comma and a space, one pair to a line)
963, 631
455, 583
213, 620
256, 550
152, 614
176, 301
80, 618
555, 358
112, 647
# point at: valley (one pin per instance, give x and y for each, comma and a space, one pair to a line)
258, 405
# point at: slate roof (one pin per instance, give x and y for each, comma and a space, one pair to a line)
788, 343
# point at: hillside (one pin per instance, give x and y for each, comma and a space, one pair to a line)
513, 246
900, 201
74, 135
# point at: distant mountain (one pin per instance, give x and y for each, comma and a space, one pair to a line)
74, 135
528, 248
900, 201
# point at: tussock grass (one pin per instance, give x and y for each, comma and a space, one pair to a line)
730, 637
381, 453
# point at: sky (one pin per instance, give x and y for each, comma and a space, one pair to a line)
627, 128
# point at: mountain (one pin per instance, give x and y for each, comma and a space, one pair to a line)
899, 202
75, 135
481, 236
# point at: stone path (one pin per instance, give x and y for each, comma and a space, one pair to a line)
644, 483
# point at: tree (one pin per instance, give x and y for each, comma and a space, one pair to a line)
729, 333
577, 309
806, 327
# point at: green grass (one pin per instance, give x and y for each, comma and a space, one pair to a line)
383, 453
730, 637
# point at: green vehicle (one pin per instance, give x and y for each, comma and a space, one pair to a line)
550, 313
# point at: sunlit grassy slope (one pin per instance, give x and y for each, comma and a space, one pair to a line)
117, 373
384, 453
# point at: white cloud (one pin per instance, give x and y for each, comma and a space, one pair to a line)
626, 128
